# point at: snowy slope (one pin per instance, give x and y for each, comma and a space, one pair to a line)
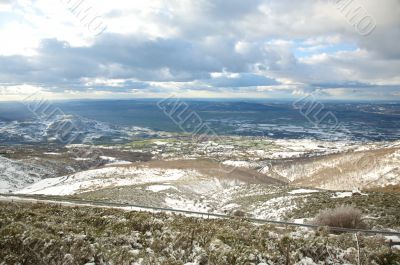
104, 177
16, 175
345, 171
80, 130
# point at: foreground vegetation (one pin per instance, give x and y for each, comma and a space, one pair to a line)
52, 234
380, 209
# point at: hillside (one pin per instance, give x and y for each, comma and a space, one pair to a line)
344, 171
79, 235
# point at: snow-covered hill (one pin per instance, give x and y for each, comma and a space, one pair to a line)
66, 129
184, 189
17, 175
104, 178
344, 171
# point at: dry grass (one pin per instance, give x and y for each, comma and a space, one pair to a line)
212, 169
390, 188
342, 216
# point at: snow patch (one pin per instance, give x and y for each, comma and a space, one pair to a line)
342, 194
185, 204
231, 163
273, 209
158, 188
108, 158
301, 191
160, 143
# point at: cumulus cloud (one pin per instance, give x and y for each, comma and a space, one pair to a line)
270, 47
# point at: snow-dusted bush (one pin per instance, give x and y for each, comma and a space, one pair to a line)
342, 216
49, 234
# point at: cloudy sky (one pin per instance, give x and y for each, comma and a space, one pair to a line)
337, 49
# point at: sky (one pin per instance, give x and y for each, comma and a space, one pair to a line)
72, 49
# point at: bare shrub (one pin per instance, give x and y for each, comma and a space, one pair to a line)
238, 213
342, 216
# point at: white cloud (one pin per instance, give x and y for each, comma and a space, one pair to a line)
205, 47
